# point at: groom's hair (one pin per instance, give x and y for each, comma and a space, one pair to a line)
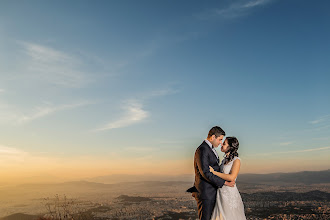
217, 131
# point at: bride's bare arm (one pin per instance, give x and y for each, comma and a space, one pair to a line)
233, 173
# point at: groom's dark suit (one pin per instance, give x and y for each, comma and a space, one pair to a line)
206, 183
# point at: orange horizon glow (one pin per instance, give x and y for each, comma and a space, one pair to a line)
51, 169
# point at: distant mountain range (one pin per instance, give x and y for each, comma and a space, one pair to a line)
78, 185
118, 178
305, 177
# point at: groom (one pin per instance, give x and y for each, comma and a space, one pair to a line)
206, 183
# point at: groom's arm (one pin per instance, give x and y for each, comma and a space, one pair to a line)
202, 161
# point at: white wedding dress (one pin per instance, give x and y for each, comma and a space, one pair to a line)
229, 204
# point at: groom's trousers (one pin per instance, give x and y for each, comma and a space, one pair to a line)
205, 208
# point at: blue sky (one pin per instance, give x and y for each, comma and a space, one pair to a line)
108, 87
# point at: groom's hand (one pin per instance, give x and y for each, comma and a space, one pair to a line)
231, 183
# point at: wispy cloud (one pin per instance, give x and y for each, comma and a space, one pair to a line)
321, 124
321, 138
296, 151
4, 150
53, 66
317, 128
255, 3
170, 142
44, 111
133, 113
134, 110
234, 10
163, 92
286, 143
10, 154
140, 149
320, 119
10, 115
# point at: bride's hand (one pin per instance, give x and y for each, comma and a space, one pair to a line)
211, 169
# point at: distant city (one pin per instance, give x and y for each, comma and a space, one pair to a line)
270, 198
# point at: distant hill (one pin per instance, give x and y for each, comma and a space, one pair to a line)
132, 181
20, 216
85, 185
118, 178
78, 184
305, 177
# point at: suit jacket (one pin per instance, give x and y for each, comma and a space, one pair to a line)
206, 183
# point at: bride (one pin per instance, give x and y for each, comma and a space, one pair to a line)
229, 204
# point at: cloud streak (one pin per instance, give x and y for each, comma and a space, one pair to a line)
134, 110
234, 10
48, 110
163, 92
255, 3
296, 151
53, 66
134, 113
10, 154
286, 143
8, 114
320, 120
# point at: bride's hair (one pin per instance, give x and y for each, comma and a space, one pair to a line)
233, 147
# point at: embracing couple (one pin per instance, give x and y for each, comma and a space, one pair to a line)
214, 189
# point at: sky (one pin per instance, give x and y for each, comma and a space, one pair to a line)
93, 88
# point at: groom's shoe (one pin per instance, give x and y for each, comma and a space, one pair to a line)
193, 191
